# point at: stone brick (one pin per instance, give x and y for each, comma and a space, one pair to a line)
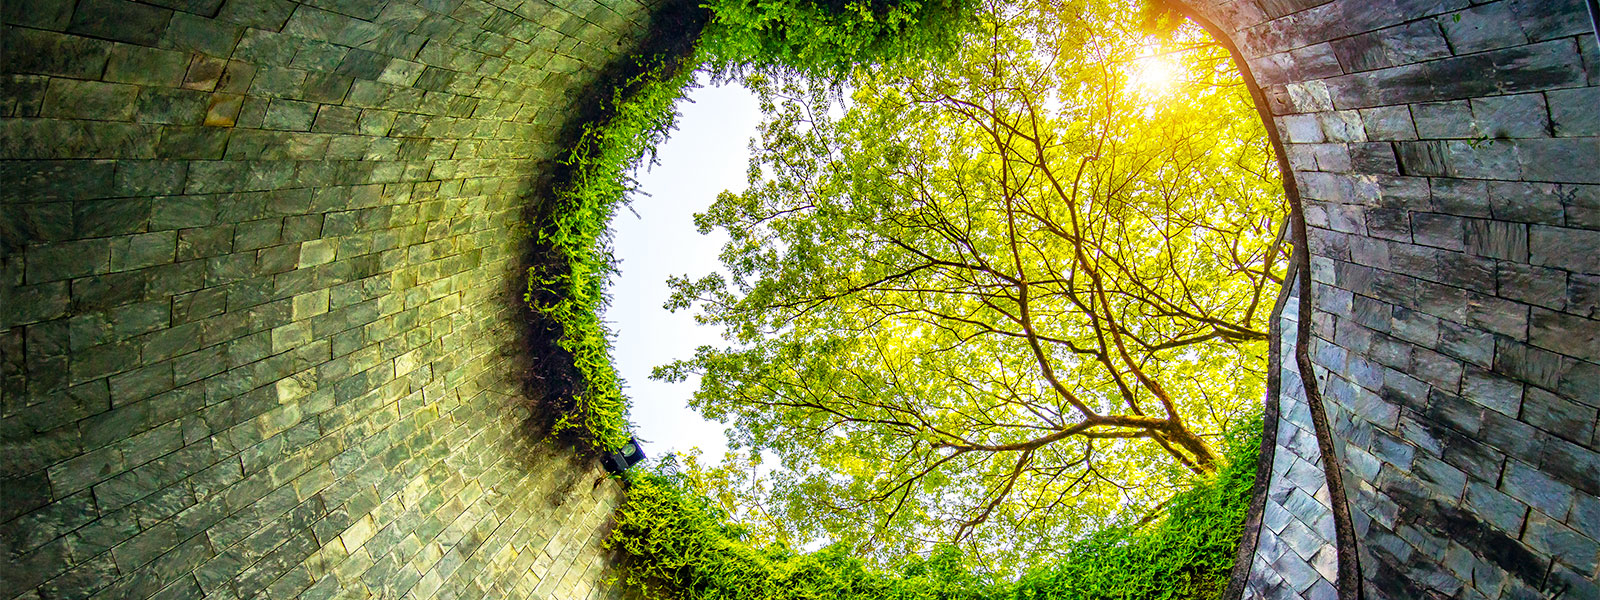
52, 15
72, 99
1575, 160
197, 34
261, 14
1561, 543
1517, 116
1564, 247
1571, 111
1443, 120
1536, 489
336, 119
1481, 28
120, 20
145, 66
145, 250
1405, 44
48, 53
1526, 202
172, 107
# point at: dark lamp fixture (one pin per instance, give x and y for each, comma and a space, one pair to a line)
619, 461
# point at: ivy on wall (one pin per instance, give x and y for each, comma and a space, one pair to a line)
805, 36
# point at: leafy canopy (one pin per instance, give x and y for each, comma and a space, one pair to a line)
998, 300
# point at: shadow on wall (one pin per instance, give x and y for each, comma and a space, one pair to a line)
1447, 158
255, 337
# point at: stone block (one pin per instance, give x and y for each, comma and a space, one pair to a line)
94, 100
1443, 120
270, 15
171, 106
1439, 231
1567, 160
144, 250
193, 143
285, 114
1527, 202
1486, 27
1533, 487
1301, 129
67, 260
1425, 159
1583, 295
223, 110
201, 35
52, 15
1566, 248
336, 119
1549, 19
120, 20
1405, 44
1516, 116
328, 88
1498, 509
1572, 112
49, 53
1561, 543
1485, 159
1388, 123
145, 66
277, 82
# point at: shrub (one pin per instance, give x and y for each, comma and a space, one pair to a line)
682, 546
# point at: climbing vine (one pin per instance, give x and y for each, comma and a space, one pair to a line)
568, 284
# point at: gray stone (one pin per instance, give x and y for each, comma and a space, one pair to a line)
1572, 111
72, 99
1443, 120
197, 34
145, 250
52, 15
1518, 116
1481, 28
1564, 247
146, 66
1575, 160
120, 20
1534, 488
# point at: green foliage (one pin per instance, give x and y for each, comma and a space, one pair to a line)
683, 546
802, 36
967, 294
1189, 555
830, 37
570, 286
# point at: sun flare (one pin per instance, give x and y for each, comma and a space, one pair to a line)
1153, 76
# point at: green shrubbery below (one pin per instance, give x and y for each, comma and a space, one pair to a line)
681, 546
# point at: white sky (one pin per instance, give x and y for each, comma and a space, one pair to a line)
704, 156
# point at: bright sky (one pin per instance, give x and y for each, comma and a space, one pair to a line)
704, 156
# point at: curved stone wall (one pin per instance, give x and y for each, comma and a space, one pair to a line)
1445, 153
260, 307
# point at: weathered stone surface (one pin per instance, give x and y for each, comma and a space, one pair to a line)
240, 320
1468, 419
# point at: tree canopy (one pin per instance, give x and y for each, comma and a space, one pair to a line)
998, 300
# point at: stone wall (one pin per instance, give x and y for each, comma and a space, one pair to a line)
260, 313
1445, 153
1294, 553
